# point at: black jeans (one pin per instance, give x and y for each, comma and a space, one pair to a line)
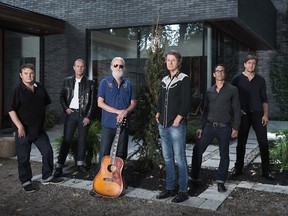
72, 122
107, 138
23, 150
253, 119
222, 135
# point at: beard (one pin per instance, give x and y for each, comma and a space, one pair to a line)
117, 74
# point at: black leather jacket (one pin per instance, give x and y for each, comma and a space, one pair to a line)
87, 96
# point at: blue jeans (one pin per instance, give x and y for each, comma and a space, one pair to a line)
222, 135
23, 150
173, 142
73, 121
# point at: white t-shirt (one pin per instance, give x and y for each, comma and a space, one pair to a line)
75, 100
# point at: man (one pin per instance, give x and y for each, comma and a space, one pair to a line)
172, 110
77, 98
27, 111
220, 119
117, 100
254, 112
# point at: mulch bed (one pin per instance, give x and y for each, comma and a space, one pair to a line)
154, 180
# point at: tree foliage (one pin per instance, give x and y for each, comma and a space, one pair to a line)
146, 134
279, 152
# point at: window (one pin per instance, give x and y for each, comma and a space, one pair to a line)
131, 44
18, 49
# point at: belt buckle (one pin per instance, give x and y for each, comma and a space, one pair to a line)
215, 124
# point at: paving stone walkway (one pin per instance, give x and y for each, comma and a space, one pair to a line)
210, 199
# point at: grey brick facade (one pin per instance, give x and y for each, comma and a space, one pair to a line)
62, 50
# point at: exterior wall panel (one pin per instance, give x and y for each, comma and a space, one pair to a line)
62, 50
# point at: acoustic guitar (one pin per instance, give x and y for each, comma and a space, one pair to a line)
108, 181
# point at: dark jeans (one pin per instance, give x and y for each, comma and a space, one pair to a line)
23, 150
72, 122
222, 135
253, 119
107, 137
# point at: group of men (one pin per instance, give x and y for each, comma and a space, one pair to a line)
229, 112
79, 99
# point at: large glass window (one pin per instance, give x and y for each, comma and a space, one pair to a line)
18, 49
132, 44
229, 52
201, 46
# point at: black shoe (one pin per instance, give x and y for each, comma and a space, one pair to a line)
268, 176
52, 181
166, 193
58, 172
236, 173
221, 187
181, 197
92, 193
29, 188
81, 169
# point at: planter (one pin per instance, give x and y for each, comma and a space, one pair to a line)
7, 147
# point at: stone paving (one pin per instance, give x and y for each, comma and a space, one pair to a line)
210, 199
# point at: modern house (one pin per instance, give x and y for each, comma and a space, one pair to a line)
53, 34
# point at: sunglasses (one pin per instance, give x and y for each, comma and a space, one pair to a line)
120, 66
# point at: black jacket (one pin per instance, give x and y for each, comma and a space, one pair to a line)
175, 98
87, 96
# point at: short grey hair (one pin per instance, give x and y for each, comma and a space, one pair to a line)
118, 58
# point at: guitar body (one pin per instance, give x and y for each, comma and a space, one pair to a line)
108, 182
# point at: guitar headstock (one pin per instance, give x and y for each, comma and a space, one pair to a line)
122, 123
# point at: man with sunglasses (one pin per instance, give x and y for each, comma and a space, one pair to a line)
77, 98
117, 100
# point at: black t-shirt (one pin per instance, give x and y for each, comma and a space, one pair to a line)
30, 107
252, 94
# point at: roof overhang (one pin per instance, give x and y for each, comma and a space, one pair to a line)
251, 22
17, 19
243, 33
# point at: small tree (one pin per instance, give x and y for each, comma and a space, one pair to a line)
146, 134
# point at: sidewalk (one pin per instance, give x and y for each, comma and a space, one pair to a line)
210, 199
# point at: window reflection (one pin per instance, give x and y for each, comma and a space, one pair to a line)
132, 44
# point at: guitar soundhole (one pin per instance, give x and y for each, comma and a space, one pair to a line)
111, 168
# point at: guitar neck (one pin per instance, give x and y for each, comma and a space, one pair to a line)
115, 144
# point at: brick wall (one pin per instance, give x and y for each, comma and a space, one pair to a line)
62, 50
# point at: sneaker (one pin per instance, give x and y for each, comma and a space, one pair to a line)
58, 172
29, 188
181, 197
53, 181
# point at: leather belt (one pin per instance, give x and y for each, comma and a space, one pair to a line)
218, 124
75, 110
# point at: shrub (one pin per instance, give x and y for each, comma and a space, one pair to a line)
49, 119
279, 152
93, 143
191, 135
